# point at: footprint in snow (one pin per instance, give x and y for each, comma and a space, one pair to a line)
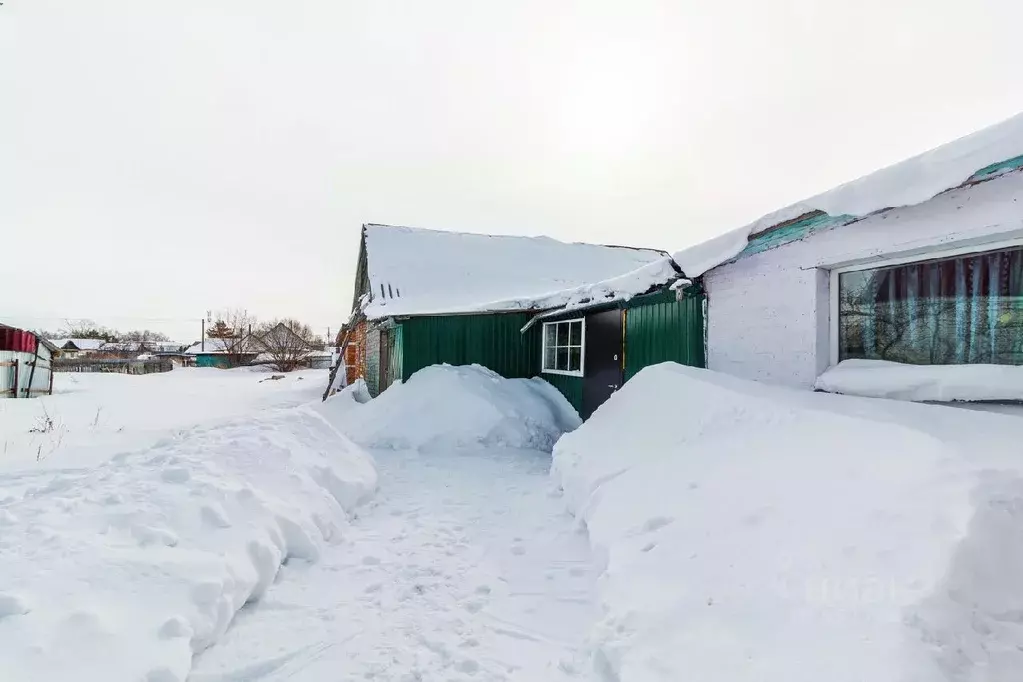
469, 666
657, 523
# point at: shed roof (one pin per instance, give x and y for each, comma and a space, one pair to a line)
414, 271
981, 156
45, 342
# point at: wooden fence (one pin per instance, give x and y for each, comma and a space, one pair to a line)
113, 366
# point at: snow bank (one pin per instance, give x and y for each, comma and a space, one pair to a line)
125, 570
939, 383
906, 183
93, 416
444, 407
756, 533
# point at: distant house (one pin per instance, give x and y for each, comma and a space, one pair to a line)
25, 364
318, 359
281, 346
424, 297
223, 353
918, 263
76, 348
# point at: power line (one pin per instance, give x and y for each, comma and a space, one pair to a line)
77, 318
88, 318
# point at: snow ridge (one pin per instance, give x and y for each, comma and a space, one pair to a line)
149, 556
757, 533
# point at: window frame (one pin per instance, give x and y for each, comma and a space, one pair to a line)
582, 348
922, 257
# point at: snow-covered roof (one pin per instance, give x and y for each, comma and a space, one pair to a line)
133, 346
978, 157
413, 271
80, 344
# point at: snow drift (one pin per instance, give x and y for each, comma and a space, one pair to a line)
938, 383
125, 570
448, 407
759, 533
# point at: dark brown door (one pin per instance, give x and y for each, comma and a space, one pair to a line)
602, 365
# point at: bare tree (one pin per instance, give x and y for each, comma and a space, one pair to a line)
86, 329
228, 332
141, 341
285, 343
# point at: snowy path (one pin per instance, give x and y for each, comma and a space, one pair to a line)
465, 567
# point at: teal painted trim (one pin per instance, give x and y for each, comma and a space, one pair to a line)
219, 360
819, 222
800, 229
1014, 163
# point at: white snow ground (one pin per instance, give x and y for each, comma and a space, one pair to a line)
760, 533
96, 415
129, 548
736, 532
465, 566
181, 540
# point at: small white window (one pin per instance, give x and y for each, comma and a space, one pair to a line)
563, 347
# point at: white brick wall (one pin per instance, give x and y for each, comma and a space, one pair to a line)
768, 315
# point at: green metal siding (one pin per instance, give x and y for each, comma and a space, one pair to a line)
493, 341
570, 387
663, 331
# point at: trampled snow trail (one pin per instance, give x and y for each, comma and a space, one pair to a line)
465, 567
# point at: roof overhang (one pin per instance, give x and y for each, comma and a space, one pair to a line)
599, 305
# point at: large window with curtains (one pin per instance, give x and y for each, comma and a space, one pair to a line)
962, 309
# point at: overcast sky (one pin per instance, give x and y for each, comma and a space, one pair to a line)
159, 159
